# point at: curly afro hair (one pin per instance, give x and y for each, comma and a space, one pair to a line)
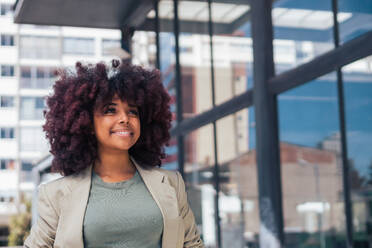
69, 115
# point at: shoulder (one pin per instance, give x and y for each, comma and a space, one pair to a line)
174, 177
61, 186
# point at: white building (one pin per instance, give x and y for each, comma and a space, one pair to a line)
29, 55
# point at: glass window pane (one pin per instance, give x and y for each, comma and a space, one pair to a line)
167, 69
232, 49
79, 46
238, 198
32, 108
36, 77
110, 47
33, 139
354, 18
143, 49
302, 31
7, 164
358, 106
171, 160
311, 165
6, 9
7, 101
7, 70
38, 47
199, 164
7, 133
196, 70
7, 40
167, 52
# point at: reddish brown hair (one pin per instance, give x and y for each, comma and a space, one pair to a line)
69, 116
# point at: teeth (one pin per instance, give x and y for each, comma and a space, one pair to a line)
123, 133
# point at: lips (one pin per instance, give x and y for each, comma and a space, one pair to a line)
122, 133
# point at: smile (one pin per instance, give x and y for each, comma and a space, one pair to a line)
123, 133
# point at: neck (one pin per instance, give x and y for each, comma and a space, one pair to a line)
114, 165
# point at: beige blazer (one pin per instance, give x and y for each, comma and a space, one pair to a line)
62, 204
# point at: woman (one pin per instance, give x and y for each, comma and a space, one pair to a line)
107, 128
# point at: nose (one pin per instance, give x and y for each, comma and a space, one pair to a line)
123, 118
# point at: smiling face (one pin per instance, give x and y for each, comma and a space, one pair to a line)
116, 126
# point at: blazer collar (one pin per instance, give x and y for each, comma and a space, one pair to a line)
156, 181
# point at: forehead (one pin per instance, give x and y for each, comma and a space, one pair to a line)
117, 100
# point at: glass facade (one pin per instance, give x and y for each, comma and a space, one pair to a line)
166, 65
322, 189
358, 105
311, 164
302, 31
198, 175
272, 107
232, 49
237, 169
358, 21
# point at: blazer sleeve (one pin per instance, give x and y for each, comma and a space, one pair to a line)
192, 236
44, 230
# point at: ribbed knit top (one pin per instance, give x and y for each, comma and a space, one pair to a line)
122, 214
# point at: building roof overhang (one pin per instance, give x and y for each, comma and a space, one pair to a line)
112, 14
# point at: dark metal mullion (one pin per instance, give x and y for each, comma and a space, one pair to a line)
216, 173
231, 106
178, 83
267, 134
348, 52
342, 120
157, 35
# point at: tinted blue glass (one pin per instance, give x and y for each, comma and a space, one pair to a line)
355, 18
358, 107
167, 68
302, 30
311, 165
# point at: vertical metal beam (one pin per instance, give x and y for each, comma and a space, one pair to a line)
157, 35
216, 173
267, 136
126, 39
178, 83
342, 120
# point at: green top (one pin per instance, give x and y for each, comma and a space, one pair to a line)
122, 214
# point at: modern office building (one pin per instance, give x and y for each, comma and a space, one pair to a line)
273, 106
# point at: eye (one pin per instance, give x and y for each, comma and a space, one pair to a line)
133, 112
109, 110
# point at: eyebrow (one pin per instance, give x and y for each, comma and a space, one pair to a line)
114, 104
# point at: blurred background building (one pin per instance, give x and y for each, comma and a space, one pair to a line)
287, 164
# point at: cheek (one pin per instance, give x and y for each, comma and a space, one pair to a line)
138, 129
101, 127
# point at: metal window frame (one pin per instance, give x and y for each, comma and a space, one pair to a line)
342, 123
347, 53
333, 60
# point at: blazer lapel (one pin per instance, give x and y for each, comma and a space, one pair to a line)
74, 211
75, 203
166, 198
